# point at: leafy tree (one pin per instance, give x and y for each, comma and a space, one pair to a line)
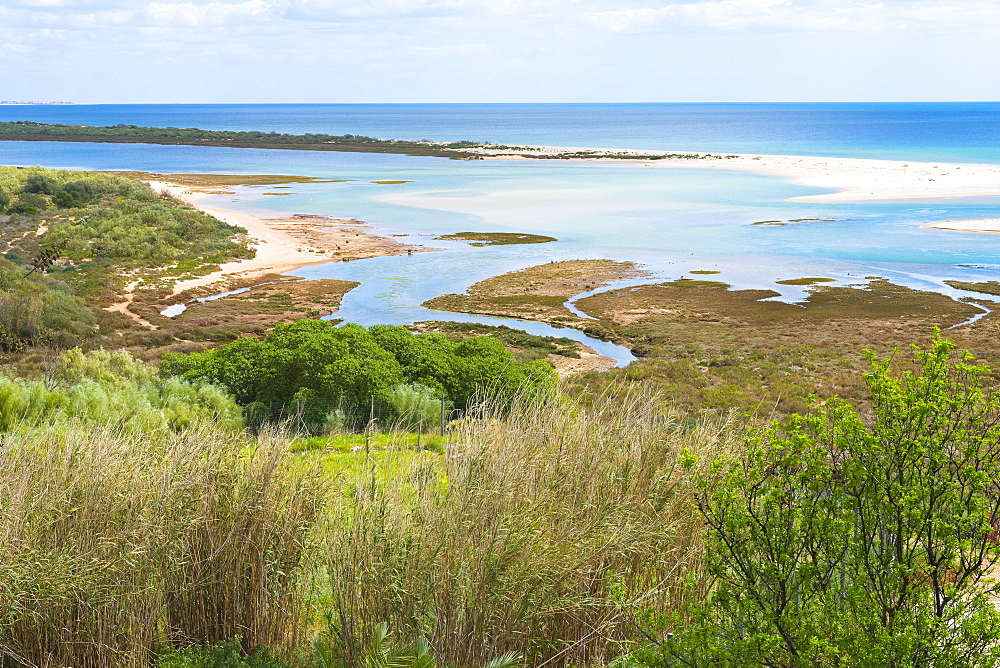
845, 541
4, 199
29, 203
41, 184
311, 367
74, 194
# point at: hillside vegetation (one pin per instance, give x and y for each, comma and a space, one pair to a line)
73, 241
351, 497
543, 532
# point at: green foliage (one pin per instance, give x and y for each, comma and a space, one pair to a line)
37, 309
848, 541
105, 388
118, 224
227, 654
311, 367
4, 199
417, 406
74, 194
40, 183
29, 203
379, 651
146, 234
195, 136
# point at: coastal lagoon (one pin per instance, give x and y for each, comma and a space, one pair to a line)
671, 220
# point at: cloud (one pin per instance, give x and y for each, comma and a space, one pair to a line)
824, 15
213, 13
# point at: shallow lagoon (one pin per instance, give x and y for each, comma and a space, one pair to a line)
673, 220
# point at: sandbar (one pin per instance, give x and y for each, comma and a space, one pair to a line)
286, 243
852, 179
982, 225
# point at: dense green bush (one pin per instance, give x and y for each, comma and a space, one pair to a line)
29, 203
312, 366
113, 389
37, 309
74, 194
41, 184
859, 542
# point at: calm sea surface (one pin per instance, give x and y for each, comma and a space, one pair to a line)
672, 220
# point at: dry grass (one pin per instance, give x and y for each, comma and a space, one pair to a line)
539, 292
112, 543
542, 533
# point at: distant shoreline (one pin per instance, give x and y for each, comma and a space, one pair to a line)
851, 179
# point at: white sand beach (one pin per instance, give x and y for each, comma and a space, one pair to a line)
853, 179
983, 225
284, 244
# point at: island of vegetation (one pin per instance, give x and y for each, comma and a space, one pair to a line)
463, 150
245, 485
497, 238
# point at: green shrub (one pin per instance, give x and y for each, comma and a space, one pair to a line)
74, 194
37, 309
29, 203
113, 389
228, 654
417, 406
305, 369
848, 541
40, 183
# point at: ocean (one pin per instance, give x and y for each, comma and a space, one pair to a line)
672, 221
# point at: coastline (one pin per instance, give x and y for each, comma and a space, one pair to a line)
979, 225
854, 179
285, 243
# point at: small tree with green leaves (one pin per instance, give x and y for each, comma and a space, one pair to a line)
844, 540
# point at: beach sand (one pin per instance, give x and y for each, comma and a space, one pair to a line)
984, 225
281, 244
853, 179
287, 243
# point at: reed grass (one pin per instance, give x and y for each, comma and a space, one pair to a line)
548, 531
114, 542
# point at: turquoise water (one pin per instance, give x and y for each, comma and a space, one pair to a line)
947, 131
672, 220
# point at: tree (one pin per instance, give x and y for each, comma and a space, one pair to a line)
846, 541
311, 367
4, 199
29, 203
39, 183
74, 194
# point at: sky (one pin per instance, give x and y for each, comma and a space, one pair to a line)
133, 51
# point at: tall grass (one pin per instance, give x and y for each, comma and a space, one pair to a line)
114, 542
546, 532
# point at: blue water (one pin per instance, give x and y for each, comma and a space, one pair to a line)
672, 220
946, 131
